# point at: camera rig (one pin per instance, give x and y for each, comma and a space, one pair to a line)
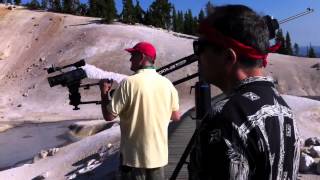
71, 80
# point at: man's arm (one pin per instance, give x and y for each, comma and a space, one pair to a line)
96, 73
104, 103
105, 87
175, 116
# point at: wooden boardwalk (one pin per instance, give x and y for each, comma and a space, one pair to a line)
179, 136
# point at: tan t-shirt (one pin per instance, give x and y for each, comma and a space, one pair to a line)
144, 102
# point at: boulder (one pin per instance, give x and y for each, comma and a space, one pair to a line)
306, 162
42, 176
43, 154
313, 141
42, 59
83, 129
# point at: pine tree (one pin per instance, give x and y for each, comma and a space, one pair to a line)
296, 49
209, 8
67, 4
280, 39
44, 4
201, 15
311, 52
17, 2
82, 9
180, 22
139, 13
93, 8
128, 12
109, 12
34, 4
288, 44
56, 6
188, 23
160, 13
195, 26
174, 19
75, 6
147, 18
70, 6
49, 5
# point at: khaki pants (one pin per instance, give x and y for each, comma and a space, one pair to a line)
131, 173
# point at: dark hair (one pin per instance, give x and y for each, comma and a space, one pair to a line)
244, 25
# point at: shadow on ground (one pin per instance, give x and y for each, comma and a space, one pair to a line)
92, 168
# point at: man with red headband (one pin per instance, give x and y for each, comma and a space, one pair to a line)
251, 133
145, 102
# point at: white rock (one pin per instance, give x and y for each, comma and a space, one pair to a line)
315, 151
43, 154
305, 162
52, 151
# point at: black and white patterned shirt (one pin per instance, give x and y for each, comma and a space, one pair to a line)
250, 134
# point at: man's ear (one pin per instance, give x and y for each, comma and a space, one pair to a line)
143, 60
231, 56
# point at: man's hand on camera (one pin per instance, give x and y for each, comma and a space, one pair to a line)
105, 86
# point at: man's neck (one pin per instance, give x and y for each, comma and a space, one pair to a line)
231, 83
148, 67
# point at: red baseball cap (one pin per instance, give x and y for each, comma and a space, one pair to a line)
145, 48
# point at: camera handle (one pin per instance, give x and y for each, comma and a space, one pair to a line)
74, 95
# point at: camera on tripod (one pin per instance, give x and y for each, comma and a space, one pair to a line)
71, 80
67, 78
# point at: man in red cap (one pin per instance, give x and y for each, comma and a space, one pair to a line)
145, 102
251, 133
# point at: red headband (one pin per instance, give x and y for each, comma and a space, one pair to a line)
217, 37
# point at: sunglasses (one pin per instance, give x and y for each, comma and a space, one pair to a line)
201, 44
